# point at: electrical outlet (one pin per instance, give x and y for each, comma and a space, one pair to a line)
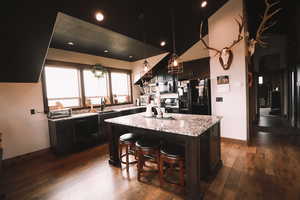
32, 111
219, 99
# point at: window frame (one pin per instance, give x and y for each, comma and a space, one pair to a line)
81, 68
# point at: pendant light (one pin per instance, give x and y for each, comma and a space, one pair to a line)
146, 65
99, 71
174, 64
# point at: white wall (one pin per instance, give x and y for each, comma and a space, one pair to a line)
197, 51
22, 132
222, 31
75, 57
138, 68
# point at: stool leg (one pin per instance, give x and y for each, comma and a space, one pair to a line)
120, 152
139, 165
127, 158
181, 168
161, 171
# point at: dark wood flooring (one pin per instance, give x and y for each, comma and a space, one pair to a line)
267, 170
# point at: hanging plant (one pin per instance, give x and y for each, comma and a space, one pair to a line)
99, 71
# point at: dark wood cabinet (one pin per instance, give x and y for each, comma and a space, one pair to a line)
61, 136
210, 152
76, 133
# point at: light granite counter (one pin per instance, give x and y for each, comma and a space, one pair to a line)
183, 124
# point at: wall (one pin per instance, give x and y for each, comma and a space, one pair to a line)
197, 51
222, 31
138, 68
22, 132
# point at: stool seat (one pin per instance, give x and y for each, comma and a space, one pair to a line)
148, 143
128, 137
172, 150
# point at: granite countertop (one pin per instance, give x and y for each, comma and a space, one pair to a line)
182, 124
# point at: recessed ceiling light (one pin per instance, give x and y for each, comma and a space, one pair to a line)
99, 16
130, 56
162, 43
105, 51
204, 4
71, 43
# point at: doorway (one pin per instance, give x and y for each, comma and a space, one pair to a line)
272, 95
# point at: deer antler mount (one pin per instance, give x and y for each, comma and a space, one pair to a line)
264, 25
226, 55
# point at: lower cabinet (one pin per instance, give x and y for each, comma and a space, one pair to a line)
69, 135
61, 136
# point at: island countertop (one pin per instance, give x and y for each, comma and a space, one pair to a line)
182, 124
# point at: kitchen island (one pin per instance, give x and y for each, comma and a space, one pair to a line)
199, 134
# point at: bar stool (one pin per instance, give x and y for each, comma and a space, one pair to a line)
172, 155
147, 149
128, 141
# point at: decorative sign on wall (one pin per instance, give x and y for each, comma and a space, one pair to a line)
223, 83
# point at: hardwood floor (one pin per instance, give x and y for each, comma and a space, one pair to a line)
269, 169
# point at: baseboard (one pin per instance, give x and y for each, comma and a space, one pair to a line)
29, 156
236, 141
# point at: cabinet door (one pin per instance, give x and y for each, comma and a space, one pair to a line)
64, 136
214, 146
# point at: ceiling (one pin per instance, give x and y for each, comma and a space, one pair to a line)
95, 40
28, 28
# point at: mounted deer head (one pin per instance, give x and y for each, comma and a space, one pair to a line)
263, 27
225, 54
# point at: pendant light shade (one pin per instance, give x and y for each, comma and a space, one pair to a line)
174, 64
99, 71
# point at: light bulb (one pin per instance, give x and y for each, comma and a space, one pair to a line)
204, 4
175, 63
163, 43
99, 16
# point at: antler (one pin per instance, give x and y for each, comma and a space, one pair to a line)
266, 17
205, 44
241, 27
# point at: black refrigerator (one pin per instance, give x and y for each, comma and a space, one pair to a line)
195, 97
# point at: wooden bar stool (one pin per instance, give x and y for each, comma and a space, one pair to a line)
147, 149
173, 156
128, 141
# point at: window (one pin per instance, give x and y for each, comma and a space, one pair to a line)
95, 89
120, 87
75, 86
260, 80
62, 86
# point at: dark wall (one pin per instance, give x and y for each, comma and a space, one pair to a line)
195, 69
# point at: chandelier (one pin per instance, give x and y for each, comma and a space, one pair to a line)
99, 71
148, 74
174, 64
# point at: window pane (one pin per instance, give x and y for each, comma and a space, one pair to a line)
64, 102
120, 87
62, 84
95, 88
